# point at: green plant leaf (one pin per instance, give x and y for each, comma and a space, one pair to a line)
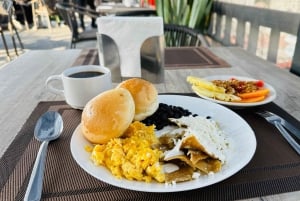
159, 8
192, 13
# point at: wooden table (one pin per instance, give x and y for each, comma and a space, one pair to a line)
22, 86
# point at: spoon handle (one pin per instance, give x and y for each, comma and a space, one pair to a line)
35, 185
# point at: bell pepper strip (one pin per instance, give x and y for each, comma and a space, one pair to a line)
252, 100
258, 93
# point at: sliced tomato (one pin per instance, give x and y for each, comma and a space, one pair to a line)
260, 83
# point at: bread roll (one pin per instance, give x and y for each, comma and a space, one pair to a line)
144, 95
107, 115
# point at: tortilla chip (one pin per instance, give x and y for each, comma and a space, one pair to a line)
184, 173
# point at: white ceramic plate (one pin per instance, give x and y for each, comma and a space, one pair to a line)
270, 98
241, 148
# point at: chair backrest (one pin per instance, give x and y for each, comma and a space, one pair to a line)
62, 11
249, 20
178, 36
66, 11
3, 17
8, 6
85, 11
137, 13
295, 68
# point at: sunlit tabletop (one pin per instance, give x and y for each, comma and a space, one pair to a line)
22, 86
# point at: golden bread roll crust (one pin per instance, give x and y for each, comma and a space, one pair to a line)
107, 115
144, 94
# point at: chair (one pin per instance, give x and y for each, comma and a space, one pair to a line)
137, 13
179, 36
8, 6
68, 13
3, 25
4, 42
295, 67
39, 12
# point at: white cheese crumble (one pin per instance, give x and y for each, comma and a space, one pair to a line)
207, 133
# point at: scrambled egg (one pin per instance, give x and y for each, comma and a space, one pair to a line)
132, 156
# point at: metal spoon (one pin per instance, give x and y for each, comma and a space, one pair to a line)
48, 127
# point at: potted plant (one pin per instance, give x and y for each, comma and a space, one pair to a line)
194, 14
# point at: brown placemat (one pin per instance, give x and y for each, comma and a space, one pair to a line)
275, 167
175, 58
192, 57
87, 57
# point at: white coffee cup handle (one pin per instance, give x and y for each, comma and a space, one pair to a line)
54, 78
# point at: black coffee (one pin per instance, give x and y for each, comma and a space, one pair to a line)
86, 74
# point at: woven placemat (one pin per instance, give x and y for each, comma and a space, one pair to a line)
175, 58
192, 57
275, 167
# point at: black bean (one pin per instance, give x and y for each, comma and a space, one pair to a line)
161, 117
177, 115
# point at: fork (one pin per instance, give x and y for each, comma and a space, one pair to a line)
275, 120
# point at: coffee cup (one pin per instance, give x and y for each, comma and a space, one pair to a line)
81, 83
